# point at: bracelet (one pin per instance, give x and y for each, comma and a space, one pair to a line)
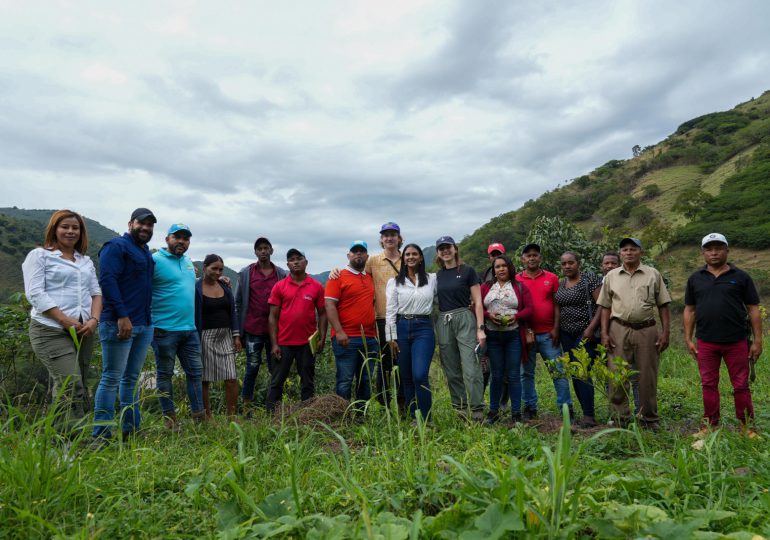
94, 318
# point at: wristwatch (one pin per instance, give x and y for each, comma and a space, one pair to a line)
483, 327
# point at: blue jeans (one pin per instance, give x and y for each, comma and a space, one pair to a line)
416, 343
504, 350
544, 345
584, 389
185, 344
350, 364
122, 361
254, 345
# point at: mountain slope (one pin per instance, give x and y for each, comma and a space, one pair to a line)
712, 173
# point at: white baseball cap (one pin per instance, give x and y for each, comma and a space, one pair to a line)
713, 237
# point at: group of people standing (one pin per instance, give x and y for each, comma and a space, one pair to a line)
381, 312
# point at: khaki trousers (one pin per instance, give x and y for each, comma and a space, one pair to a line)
56, 351
456, 336
637, 347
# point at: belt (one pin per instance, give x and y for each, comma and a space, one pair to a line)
635, 326
409, 316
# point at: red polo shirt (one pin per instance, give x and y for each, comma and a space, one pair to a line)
298, 303
542, 287
354, 293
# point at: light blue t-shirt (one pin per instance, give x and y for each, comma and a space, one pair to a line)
173, 292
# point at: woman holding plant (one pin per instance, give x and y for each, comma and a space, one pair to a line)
578, 320
409, 330
60, 282
507, 305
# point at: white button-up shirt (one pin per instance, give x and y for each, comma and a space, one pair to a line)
51, 281
407, 299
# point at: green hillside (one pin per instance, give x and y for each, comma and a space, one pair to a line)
22, 230
711, 174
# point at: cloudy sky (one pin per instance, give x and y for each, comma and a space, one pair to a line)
314, 122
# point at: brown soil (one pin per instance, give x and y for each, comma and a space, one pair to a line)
329, 409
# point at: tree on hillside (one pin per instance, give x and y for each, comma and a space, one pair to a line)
555, 236
636, 150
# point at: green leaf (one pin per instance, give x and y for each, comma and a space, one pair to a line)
494, 523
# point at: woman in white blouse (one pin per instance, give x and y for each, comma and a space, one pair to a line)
60, 282
409, 329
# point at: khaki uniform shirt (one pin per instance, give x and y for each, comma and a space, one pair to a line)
379, 267
633, 297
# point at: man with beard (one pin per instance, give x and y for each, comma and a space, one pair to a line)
173, 314
718, 299
350, 309
125, 329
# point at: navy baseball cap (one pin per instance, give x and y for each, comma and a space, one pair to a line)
530, 247
359, 243
390, 226
177, 227
294, 252
445, 240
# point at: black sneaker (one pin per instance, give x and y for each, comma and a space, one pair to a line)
529, 414
493, 417
516, 417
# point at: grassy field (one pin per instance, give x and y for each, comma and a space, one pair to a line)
381, 477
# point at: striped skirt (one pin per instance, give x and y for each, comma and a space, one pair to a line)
218, 354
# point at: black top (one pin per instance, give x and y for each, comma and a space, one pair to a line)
488, 275
454, 287
216, 312
576, 304
720, 304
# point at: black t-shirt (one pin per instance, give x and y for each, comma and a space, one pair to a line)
720, 304
454, 287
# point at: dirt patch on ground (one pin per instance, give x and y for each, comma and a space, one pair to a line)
329, 409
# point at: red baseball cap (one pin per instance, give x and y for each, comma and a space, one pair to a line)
495, 247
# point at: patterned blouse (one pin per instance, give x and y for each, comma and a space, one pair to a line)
501, 300
576, 303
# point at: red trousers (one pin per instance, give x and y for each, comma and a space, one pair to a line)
736, 357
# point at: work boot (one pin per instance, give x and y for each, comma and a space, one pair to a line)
171, 423
493, 417
529, 414
248, 408
199, 417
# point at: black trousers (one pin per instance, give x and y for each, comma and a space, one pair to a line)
282, 369
385, 370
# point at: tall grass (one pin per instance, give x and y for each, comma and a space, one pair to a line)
383, 477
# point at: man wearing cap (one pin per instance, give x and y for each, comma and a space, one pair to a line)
294, 304
629, 296
544, 327
493, 250
125, 329
382, 267
255, 282
350, 309
175, 334
717, 300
